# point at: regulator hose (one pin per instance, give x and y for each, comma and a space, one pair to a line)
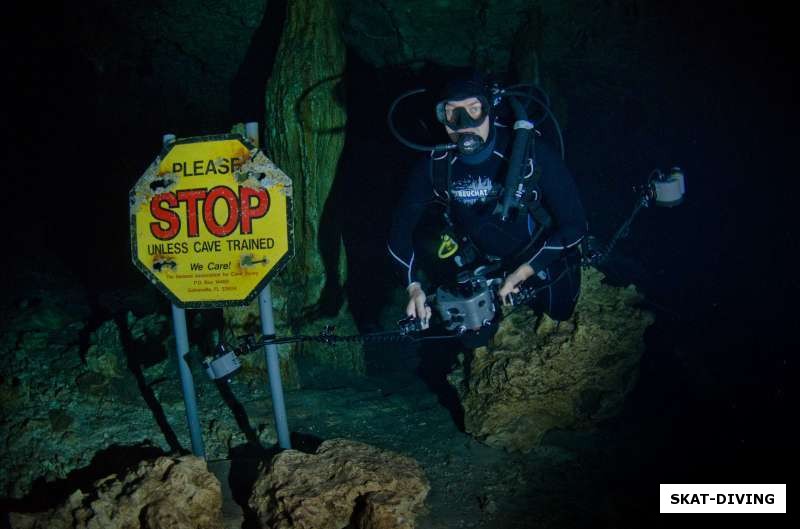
548, 112
411, 145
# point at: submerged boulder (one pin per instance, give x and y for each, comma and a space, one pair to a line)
174, 493
537, 375
343, 484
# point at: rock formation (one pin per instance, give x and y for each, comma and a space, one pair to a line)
344, 484
305, 125
168, 493
64, 404
536, 376
395, 32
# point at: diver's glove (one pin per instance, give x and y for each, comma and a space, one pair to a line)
417, 304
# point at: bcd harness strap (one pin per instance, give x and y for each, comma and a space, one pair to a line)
528, 196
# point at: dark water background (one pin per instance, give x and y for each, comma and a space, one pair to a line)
716, 397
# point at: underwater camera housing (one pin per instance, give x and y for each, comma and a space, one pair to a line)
469, 305
223, 363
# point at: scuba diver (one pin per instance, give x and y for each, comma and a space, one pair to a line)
528, 231
515, 227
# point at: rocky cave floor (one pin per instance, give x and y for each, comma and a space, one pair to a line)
472, 485
63, 426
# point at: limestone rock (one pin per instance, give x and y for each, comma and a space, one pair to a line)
148, 327
307, 119
305, 136
152, 344
344, 484
533, 378
168, 493
66, 410
193, 47
106, 355
399, 32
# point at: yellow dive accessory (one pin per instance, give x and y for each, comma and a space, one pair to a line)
448, 247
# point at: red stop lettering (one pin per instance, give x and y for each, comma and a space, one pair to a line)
250, 212
191, 197
164, 215
224, 193
241, 210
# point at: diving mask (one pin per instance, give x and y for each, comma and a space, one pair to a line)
462, 116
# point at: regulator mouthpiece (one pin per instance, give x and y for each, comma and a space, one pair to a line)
669, 189
469, 143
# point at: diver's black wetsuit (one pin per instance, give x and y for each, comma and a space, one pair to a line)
474, 192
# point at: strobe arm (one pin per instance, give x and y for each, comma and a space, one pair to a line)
623, 230
664, 190
225, 360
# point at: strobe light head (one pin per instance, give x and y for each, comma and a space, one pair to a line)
223, 363
668, 189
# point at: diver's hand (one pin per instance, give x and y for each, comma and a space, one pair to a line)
416, 307
513, 280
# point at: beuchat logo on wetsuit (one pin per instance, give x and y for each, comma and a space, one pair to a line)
471, 190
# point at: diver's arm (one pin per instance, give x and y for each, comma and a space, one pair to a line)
560, 197
417, 195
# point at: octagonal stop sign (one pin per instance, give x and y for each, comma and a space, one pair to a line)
211, 221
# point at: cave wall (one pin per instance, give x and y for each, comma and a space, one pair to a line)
197, 66
526, 38
305, 120
174, 63
387, 33
304, 133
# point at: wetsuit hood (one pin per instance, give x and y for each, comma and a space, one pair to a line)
466, 84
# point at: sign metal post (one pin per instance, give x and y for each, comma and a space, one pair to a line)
271, 351
210, 227
187, 381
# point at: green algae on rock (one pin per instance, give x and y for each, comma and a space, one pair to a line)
539, 375
305, 122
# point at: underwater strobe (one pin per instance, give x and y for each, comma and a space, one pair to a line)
666, 190
661, 189
223, 363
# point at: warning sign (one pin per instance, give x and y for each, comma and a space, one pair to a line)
211, 221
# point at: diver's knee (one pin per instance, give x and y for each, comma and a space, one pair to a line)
561, 313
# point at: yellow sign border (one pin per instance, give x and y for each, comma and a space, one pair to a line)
277, 267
